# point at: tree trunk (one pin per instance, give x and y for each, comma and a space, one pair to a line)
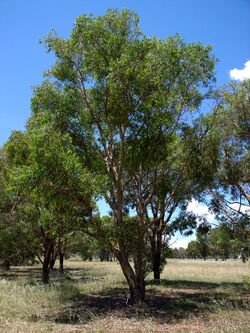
138, 293
52, 263
6, 263
135, 278
138, 260
61, 251
48, 253
45, 275
156, 246
135, 282
61, 260
53, 256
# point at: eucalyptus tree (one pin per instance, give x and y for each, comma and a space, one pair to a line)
16, 243
59, 250
57, 186
132, 94
6, 204
193, 250
218, 154
220, 241
166, 212
203, 243
231, 193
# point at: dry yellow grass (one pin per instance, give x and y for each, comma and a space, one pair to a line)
209, 270
195, 296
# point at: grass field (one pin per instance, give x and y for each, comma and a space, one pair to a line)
194, 296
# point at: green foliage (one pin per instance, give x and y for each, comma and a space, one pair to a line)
234, 125
246, 282
16, 242
109, 121
193, 250
83, 245
203, 242
231, 188
53, 177
219, 239
51, 191
134, 81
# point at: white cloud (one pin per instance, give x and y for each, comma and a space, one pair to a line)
241, 74
243, 208
181, 241
200, 210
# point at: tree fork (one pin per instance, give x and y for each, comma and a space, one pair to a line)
137, 293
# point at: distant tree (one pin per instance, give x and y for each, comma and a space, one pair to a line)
178, 253
241, 236
83, 245
219, 239
202, 240
236, 247
59, 250
193, 251
182, 253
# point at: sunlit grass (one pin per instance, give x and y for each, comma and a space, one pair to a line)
207, 271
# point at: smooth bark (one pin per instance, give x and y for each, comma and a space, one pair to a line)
135, 282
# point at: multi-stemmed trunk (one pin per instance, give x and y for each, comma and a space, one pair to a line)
134, 277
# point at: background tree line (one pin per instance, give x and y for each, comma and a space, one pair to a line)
218, 243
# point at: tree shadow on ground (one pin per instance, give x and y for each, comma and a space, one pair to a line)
188, 284
164, 306
17, 272
33, 274
170, 302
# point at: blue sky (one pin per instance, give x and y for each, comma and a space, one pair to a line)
224, 24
